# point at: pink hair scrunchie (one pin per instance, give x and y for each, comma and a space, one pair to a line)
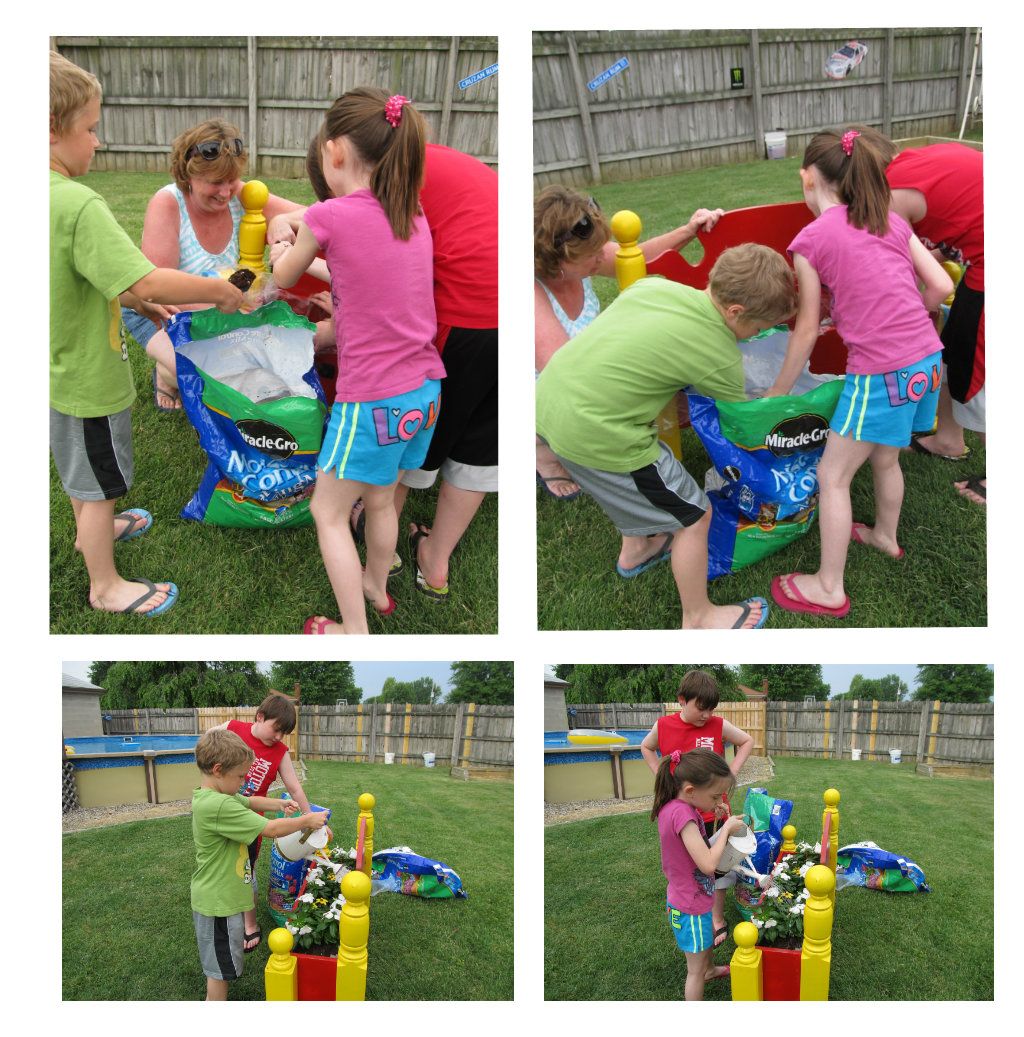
847, 142
674, 757
393, 109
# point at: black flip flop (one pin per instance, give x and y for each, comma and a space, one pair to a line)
256, 935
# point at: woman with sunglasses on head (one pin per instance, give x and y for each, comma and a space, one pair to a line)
572, 243
192, 225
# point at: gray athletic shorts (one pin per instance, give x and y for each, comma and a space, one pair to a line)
660, 498
972, 413
93, 455
478, 478
221, 945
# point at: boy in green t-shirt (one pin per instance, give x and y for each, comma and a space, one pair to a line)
223, 824
599, 397
94, 268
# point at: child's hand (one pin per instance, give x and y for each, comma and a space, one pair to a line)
705, 219
279, 249
279, 229
721, 810
734, 825
229, 298
315, 819
289, 806
324, 301
156, 312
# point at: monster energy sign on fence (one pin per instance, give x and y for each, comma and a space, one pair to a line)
477, 76
621, 65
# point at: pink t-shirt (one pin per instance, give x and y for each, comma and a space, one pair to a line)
877, 308
383, 293
689, 889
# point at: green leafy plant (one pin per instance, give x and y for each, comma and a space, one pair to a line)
780, 915
314, 918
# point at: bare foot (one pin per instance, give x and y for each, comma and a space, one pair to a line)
555, 479
167, 398
434, 578
725, 617
637, 550
123, 594
861, 534
948, 450
973, 489
720, 929
377, 597
811, 588
716, 972
322, 625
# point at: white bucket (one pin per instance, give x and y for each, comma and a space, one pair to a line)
855, 754
895, 755
389, 757
428, 759
775, 144
293, 848
741, 845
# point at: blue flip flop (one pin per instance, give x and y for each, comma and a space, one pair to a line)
151, 589
139, 520
665, 553
172, 393
747, 605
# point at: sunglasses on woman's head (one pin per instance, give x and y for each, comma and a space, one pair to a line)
211, 149
582, 228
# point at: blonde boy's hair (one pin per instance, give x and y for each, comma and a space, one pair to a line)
757, 278
223, 747
71, 89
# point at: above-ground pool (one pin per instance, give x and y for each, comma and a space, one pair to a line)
577, 772
115, 769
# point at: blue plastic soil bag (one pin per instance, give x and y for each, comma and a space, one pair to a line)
399, 870
865, 864
249, 387
767, 816
765, 453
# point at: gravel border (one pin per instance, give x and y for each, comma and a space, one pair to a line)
85, 818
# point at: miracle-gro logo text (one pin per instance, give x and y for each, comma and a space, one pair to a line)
269, 438
803, 432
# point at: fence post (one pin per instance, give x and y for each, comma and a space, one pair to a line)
838, 754
816, 954
745, 973
922, 732
253, 142
449, 90
581, 99
195, 720
372, 749
888, 61
755, 87
933, 728
460, 716
281, 975
354, 932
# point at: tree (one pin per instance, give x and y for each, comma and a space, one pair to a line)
637, 682
485, 683
423, 691
889, 688
787, 682
955, 682
178, 685
321, 683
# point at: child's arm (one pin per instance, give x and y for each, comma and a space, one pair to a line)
163, 285
805, 333
937, 283
290, 262
152, 311
649, 749
284, 226
286, 825
291, 782
702, 219
707, 857
263, 804
743, 742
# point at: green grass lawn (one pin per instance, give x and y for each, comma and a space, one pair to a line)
604, 893
231, 580
935, 585
127, 924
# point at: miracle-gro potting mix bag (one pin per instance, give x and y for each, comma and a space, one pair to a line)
249, 388
765, 452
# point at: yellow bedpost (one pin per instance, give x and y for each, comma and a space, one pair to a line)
816, 955
745, 967
788, 839
631, 266
281, 975
831, 811
252, 232
366, 805
354, 929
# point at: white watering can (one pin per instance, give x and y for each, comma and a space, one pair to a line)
303, 844
740, 846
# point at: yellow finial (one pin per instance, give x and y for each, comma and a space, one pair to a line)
354, 930
630, 264
745, 967
280, 977
252, 231
788, 839
816, 954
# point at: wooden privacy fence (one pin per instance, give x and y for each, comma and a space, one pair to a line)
276, 89
462, 735
701, 98
642, 716
930, 733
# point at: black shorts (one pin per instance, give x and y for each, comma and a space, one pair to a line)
467, 428
963, 343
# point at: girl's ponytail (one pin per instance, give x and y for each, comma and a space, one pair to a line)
854, 164
390, 136
698, 767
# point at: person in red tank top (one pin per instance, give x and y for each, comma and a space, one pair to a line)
275, 718
696, 727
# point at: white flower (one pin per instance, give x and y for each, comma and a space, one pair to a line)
757, 922
779, 868
797, 909
773, 891
803, 894
805, 869
817, 847
306, 898
305, 929
291, 928
769, 923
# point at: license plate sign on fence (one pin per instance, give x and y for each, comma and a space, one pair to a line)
620, 66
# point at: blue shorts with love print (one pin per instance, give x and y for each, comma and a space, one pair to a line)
372, 442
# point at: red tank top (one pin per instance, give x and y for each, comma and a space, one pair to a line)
268, 758
675, 733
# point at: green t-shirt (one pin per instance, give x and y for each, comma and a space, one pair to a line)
222, 828
599, 395
92, 260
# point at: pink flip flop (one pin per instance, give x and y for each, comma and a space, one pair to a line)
855, 536
794, 601
315, 626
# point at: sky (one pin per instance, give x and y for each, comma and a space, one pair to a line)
369, 676
838, 677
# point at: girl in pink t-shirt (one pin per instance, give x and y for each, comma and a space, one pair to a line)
380, 255
686, 786
871, 263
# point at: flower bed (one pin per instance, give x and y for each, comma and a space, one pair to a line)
779, 917
314, 918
